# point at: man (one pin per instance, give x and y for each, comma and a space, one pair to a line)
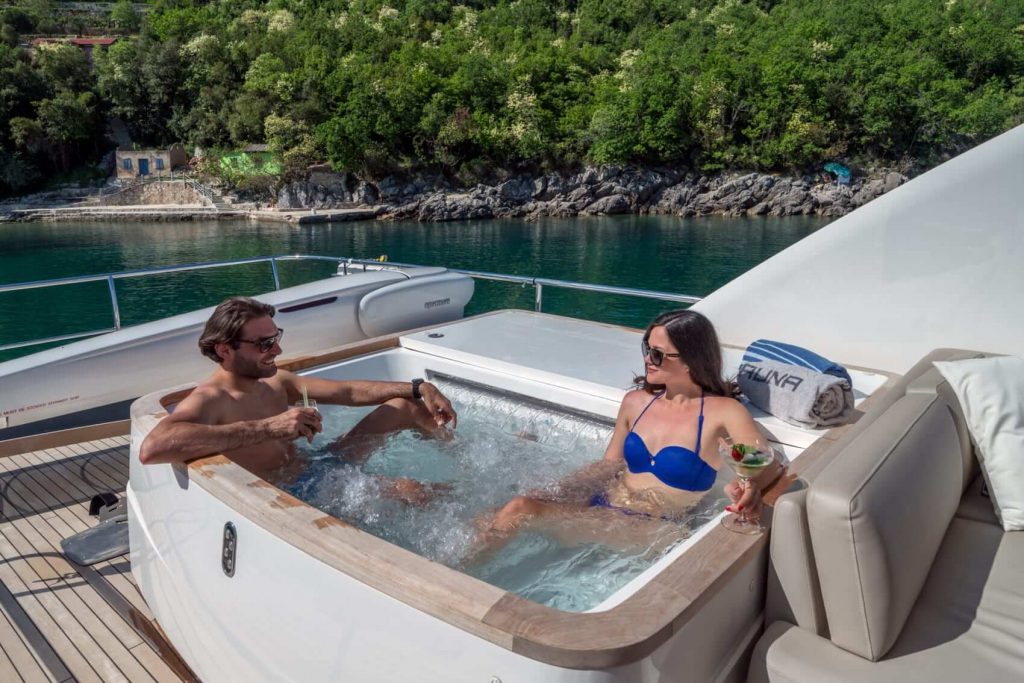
243, 409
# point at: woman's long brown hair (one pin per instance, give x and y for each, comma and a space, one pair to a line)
696, 341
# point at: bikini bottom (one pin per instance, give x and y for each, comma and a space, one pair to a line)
600, 500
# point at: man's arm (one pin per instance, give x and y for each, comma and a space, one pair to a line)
366, 393
190, 431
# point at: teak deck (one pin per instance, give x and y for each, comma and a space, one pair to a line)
59, 621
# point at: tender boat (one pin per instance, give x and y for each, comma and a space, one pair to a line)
95, 379
250, 583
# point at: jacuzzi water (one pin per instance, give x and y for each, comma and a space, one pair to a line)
503, 446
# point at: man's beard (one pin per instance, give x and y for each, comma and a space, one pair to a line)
253, 369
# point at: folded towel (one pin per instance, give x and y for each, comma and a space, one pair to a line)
800, 396
790, 354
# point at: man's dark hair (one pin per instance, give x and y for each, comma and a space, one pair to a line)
227, 321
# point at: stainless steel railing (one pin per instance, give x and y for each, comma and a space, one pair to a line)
346, 266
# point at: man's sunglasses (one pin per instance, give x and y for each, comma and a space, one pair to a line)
656, 355
267, 343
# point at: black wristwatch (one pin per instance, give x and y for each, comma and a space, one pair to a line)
416, 388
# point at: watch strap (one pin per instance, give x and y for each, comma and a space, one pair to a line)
416, 388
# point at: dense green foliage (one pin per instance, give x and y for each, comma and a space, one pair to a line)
380, 85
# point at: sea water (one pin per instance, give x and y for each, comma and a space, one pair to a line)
504, 446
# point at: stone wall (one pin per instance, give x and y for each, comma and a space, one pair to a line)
164, 192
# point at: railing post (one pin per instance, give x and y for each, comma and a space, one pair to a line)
273, 267
538, 296
113, 302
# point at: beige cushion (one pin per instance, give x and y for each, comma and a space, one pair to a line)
991, 393
968, 624
793, 591
931, 381
877, 516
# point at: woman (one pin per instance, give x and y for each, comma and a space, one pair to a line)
663, 455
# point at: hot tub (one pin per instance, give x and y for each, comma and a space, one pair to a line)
250, 583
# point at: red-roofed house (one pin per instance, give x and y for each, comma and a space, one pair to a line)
87, 45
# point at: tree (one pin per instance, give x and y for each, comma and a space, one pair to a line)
64, 66
123, 16
67, 120
140, 79
16, 173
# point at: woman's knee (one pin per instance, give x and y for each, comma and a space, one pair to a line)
515, 505
520, 506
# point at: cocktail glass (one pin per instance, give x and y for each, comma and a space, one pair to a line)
748, 467
308, 403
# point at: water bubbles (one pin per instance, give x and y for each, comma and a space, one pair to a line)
504, 446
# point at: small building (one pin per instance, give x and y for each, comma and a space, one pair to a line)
86, 45
136, 163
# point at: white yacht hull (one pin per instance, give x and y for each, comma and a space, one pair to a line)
106, 371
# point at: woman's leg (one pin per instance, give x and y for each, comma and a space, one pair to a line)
571, 524
522, 509
495, 529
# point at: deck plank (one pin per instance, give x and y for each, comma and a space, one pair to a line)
58, 621
119, 577
116, 571
8, 672
50, 616
32, 638
24, 666
91, 634
109, 579
107, 637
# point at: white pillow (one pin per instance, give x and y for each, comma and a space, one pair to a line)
991, 393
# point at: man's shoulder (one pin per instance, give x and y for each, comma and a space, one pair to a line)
209, 390
208, 393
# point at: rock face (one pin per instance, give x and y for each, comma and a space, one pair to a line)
605, 190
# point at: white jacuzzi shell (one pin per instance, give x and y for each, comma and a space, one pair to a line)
312, 599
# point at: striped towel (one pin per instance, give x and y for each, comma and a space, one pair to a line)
797, 395
780, 352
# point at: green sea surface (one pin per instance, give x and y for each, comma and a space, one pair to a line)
685, 256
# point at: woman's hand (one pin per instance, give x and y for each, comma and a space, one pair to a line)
745, 497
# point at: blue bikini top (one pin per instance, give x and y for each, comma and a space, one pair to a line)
675, 466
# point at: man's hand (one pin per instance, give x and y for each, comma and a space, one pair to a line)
440, 407
294, 423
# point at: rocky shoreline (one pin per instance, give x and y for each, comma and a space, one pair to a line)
608, 190
597, 191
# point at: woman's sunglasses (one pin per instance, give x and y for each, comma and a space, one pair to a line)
656, 355
267, 343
